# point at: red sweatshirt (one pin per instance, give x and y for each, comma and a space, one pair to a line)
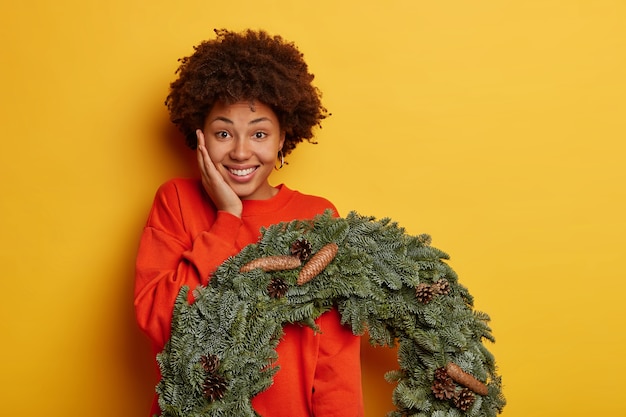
186, 239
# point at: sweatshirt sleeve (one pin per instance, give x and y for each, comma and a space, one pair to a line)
170, 257
337, 388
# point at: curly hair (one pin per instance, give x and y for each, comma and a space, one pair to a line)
246, 66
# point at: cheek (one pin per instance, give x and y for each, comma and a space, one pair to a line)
216, 153
270, 155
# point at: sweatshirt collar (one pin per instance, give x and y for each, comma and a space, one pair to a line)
255, 207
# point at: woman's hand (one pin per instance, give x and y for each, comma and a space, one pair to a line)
224, 197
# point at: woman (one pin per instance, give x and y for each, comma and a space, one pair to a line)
243, 102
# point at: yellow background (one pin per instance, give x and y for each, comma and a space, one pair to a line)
496, 126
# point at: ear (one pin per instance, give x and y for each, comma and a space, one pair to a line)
283, 134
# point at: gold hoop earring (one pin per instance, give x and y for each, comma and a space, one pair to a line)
281, 158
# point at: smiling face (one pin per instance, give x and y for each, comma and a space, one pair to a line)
243, 140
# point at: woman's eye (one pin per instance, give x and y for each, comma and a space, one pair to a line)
259, 135
222, 135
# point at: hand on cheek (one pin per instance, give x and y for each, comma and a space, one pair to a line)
223, 196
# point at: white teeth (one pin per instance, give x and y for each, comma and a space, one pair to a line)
242, 172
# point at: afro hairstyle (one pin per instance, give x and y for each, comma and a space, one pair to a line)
246, 66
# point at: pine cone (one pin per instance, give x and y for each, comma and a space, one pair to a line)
317, 263
272, 263
277, 287
464, 399
444, 388
301, 249
214, 387
441, 374
442, 286
424, 293
210, 363
466, 379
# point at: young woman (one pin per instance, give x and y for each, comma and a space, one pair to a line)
243, 102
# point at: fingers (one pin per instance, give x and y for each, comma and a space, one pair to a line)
202, 154
201, 140
200, 137
214, 184
209, 172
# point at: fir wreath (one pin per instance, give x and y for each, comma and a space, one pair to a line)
388, 284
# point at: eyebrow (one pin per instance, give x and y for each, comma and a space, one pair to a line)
252, 122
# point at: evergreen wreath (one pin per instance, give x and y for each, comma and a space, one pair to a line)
388, 284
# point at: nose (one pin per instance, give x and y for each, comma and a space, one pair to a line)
241, 149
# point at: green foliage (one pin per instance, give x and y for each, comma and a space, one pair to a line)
371, 281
